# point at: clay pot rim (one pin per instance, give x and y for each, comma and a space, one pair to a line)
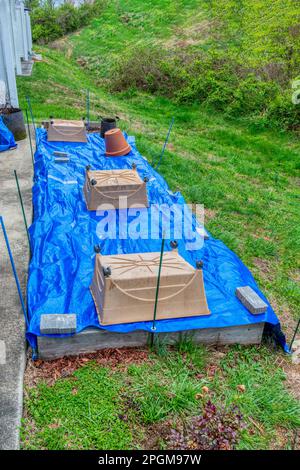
124, 151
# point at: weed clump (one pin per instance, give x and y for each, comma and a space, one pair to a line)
214, 429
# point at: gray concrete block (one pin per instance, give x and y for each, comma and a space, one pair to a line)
61, 159
251, 300
58, 323
58, 153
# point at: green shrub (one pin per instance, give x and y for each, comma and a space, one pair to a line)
45, 27
49, 23
211, 79
252, 95
283, 113
146, 68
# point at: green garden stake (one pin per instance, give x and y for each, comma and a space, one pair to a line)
14, 270
165, 144
23, 211
31, 113
153, 328
294, 335
29, 135
88, 107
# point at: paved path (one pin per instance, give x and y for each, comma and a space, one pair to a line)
12, 325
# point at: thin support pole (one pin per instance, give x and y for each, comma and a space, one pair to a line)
88, 107
31, 114
23, 211
153, 328
294, 335
29, 135
165, 144
14, 270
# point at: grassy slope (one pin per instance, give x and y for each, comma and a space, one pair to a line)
247, 180
256, 33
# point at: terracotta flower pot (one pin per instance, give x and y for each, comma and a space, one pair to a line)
115, 143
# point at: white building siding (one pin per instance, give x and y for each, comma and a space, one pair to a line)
15, 44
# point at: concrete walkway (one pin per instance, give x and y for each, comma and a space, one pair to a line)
12, 325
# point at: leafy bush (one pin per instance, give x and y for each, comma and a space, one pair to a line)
50, 23
210, 79
45, 27
283, 113
215, 429
147, 68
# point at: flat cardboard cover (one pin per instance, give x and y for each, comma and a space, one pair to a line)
111, 185
60, 130
128, 294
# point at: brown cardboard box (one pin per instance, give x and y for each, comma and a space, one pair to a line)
114, 189
60, 130
125, 292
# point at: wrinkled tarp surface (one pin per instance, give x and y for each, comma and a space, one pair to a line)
64, 233
7, 140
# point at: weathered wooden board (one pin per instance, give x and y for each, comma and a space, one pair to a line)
93, 339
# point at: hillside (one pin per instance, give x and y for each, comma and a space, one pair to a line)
259, 33
237, 57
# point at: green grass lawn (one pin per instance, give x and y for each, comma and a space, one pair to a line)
248, 180
135, 405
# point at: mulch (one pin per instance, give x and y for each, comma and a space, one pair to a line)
50, 371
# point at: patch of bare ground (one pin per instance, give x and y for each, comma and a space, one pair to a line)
288, 323
156, 434
50, 371
285, 440
192, 35
295, 275
292, 372
264, 268
214, 158
63, 45
294, 181
209, 213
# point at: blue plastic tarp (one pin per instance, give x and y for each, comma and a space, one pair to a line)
7, 140
64, 234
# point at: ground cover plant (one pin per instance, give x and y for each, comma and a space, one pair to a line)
244, 172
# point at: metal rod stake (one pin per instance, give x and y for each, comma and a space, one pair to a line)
31, 114
29, 135
14, 271
23, 211
157, 289
294, 335
165, 144
88, 107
